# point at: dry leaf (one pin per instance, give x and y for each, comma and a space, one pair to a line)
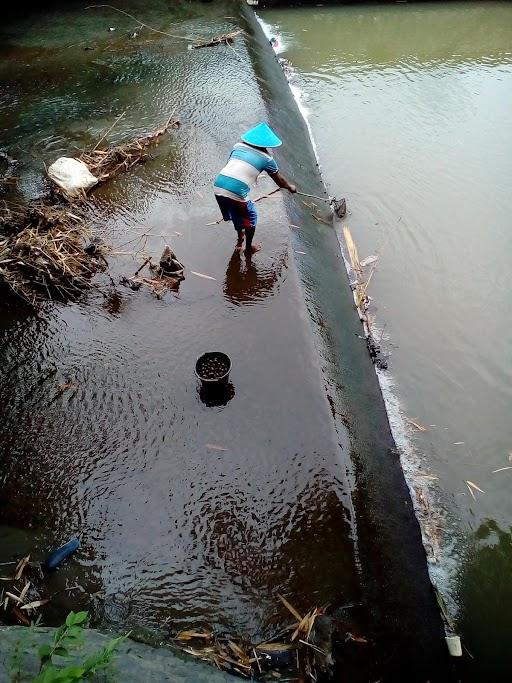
20, 617
61, 388
302, 627
314, 647
352, 249
188, 635
24, 591
418, 425
16, 598
35, 604
206, 277
474, 486
471, 491
289, 607
312, 622
20, 567
274, 647
237, 651
369, 260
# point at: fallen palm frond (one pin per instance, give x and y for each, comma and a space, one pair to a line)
43, 253
106, 163
224, 39
362, 287
352, 250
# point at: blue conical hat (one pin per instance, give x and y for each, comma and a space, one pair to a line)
262, 135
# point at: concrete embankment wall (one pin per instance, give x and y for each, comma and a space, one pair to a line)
133, 663
397, 589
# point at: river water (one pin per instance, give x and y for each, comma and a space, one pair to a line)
409, 107
188, 514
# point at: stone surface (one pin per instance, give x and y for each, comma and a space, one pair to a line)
134, 663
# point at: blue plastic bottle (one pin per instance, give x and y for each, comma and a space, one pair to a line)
57, 556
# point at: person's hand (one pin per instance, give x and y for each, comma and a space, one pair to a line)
292, 188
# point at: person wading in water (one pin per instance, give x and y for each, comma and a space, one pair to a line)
247, 160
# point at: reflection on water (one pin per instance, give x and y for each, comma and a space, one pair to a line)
216, 397
410, 109
247, 280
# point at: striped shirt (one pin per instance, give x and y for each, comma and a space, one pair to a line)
240, 173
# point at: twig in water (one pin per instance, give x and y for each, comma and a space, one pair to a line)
142, 266
163, 33
108, 131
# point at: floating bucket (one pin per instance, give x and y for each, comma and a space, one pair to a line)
213, 369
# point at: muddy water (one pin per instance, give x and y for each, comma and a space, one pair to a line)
410, 109
188, 514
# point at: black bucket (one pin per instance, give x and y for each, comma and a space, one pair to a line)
213, 370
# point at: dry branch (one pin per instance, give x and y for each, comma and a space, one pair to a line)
224, 39
106, 163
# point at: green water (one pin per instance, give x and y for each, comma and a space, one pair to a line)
410, 110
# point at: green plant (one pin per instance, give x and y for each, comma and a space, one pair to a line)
66, 639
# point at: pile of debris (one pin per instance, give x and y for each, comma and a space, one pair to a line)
43, 246
19, 595
302, 650
44, 252
166, 276
224, 39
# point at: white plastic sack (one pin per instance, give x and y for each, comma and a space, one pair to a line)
71, 175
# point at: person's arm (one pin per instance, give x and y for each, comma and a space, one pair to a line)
281, 181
